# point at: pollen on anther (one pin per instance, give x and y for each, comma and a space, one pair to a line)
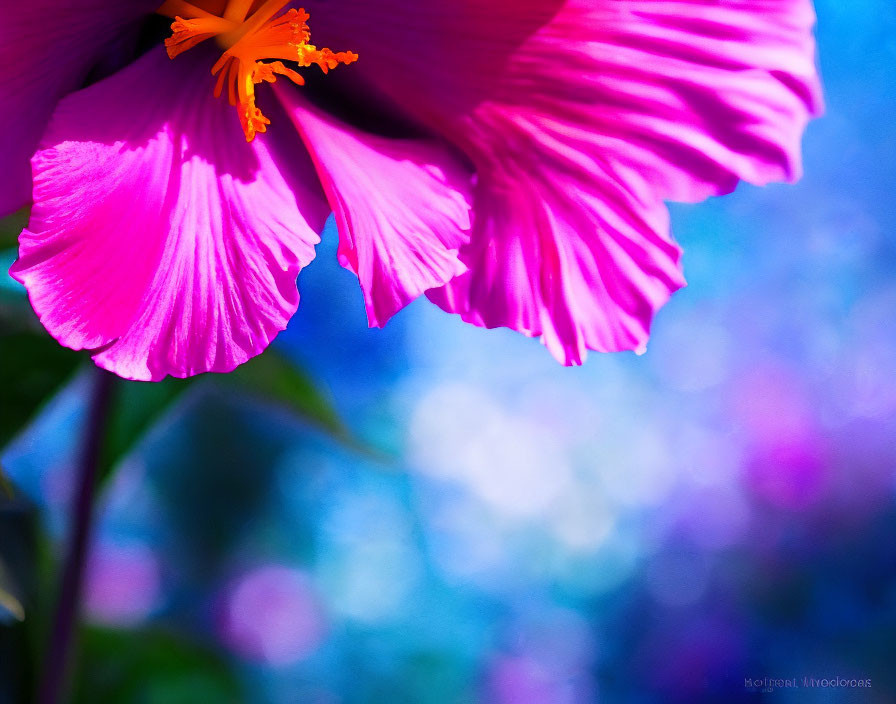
257, 52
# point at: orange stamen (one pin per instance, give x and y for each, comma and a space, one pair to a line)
255, 49
180, 8
185, 34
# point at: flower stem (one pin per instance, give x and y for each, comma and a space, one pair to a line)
55, 674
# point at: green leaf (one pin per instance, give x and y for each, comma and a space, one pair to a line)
33, 367
135, 408
15, 310
151, 666
18, 597
16, 314
9, 601
274, 378
12, 225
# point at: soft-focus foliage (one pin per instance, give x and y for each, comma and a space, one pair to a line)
32, 365
151, 667
17, 591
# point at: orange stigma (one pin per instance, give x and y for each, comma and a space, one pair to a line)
255, 43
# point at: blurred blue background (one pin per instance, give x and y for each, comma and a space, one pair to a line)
642, 529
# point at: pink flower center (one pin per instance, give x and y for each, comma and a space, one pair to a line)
255, 43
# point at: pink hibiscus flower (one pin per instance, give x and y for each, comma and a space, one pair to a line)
510, 159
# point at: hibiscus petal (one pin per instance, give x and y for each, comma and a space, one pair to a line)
159, 237
47, 48
580, 117
579, 259
401, 206
692, 91
693, 95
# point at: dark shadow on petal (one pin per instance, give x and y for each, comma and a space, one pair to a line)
417, 58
